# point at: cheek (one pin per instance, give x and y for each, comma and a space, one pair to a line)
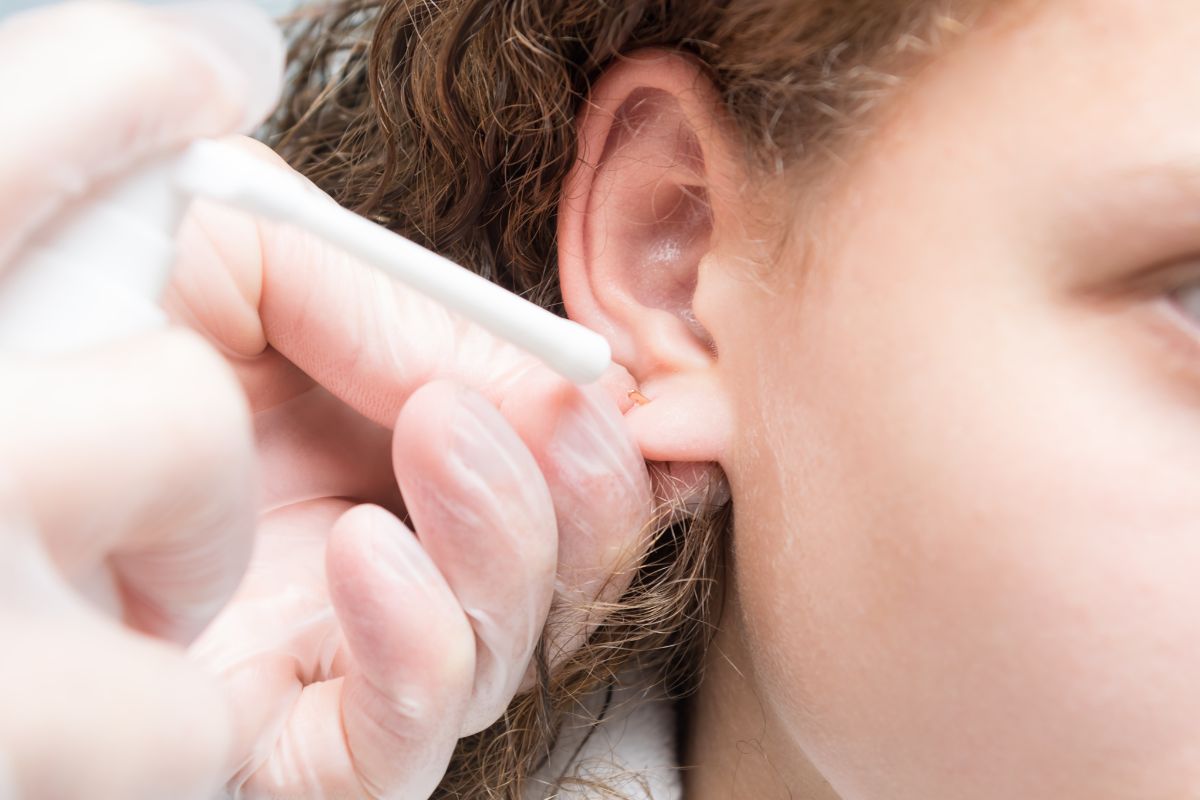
967, 557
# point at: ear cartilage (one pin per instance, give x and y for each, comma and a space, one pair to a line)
227, 175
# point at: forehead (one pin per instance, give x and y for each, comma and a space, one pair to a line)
1053, 102
1075, 65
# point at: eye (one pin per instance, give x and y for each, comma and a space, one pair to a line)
1186, 298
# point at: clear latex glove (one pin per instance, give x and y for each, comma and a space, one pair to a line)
356, 653
127, 471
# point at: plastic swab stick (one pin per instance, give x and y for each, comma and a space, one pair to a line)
225, 174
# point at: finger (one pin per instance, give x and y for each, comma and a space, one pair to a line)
406, 689
278, 634
138, 459
601, 492
483, 513
72, 673
260, 289
69, 687
373, 342
93, 88
368, 339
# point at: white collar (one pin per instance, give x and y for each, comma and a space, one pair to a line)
630, 750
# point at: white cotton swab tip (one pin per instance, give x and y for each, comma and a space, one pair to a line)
223, 173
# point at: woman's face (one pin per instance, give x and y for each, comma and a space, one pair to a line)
967, 473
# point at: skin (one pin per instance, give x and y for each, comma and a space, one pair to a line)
966, 445
961, 449
961, 434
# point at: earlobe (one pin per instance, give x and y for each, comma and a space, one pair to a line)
636, 221
685, 418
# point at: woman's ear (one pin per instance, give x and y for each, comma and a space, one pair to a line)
637, 231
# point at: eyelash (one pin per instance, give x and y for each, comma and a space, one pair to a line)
1173, 290
1179, 304
1165, 297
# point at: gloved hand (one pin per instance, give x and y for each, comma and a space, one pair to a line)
127, 472
356, 653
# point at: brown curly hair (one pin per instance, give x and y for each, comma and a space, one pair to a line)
452, 122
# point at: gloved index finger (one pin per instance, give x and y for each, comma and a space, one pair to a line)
228, 174
93, 89
369, 339
252, 283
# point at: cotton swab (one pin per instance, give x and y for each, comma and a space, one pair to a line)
221, 172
